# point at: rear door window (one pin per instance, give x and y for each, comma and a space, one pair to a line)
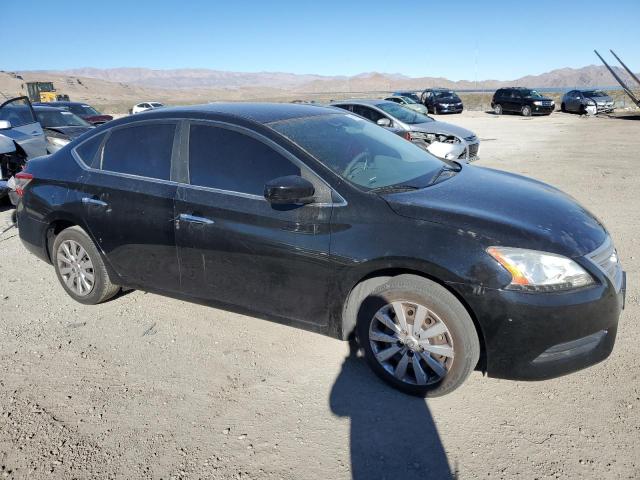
143, 150
229, 160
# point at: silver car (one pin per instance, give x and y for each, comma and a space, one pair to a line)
21, 138
441, 139
408, 103
587, 101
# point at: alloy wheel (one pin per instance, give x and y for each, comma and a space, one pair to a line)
75, 267
411, 343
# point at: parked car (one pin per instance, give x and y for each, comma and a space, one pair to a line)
60, 126
524, 101
144, 106
407, 93
82, 110
21, 138
441, 100
318, 218
587, 101
408, 103
441, 139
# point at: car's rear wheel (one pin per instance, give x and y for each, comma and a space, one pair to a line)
563, 108
497, 109
417, 336
526, 111
80, 268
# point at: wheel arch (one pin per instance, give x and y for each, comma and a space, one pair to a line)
377, 276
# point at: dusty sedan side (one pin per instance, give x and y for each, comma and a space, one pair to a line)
315, 217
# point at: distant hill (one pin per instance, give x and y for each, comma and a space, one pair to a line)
589, 76
116, 90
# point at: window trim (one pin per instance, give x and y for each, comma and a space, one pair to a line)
174, 158
305, 171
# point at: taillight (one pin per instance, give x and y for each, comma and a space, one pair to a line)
22, 180
407, 136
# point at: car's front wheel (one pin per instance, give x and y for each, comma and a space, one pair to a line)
417, 336
497, 109
526, 111
80, 268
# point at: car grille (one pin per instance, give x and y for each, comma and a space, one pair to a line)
606, 258
546, 103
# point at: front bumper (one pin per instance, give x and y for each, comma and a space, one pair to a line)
450, 108
540, 336
542, 110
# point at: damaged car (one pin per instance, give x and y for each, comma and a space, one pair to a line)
60, 126
21, 138
441, 139
587, 102
315, 217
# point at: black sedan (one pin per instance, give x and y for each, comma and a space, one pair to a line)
60, 126
317, 218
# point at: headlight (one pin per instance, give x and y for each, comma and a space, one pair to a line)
534, 271
537, 102
58, 142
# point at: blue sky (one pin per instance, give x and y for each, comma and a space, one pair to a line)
453, 39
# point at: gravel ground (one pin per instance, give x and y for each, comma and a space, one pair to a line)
151, 387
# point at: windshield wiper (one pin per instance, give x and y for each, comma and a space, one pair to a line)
394, 188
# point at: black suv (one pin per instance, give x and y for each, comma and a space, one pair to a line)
441, 100
524, 101
315, 217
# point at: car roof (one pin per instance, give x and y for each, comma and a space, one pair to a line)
256, 112
374, 102
43, 108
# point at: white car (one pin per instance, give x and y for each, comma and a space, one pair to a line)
144, 106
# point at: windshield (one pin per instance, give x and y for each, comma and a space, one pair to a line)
83, 110
594, 93
403, 114
59, 118
409, 100
446, 94
361, 152
413, 96
531, 94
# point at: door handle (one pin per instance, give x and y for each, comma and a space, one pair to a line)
186, 217
94, 201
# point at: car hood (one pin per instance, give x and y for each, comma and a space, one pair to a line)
505, 209
442, 127
69, 132
605, 99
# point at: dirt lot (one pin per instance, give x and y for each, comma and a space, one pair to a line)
150, 387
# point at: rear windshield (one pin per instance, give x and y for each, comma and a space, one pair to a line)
403, 114
412, 95
360, 151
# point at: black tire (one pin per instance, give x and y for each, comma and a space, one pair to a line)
497, 109
435, 110
102, 289
464, 338
525, 111
563, 108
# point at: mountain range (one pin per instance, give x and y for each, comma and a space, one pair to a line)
187, 79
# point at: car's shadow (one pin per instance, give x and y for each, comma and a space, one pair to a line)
393, 435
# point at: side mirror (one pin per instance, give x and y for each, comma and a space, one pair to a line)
5, 124
384, 122
289, 190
